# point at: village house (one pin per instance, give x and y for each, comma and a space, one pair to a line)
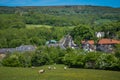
100, 34
88, 45
106, 45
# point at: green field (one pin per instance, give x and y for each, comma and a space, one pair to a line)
34, 26
45, 26
9, 73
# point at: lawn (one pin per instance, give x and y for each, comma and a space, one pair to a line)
10, 73
46, 26
34, 26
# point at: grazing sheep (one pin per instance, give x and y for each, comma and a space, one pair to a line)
49, 68
32, 67
54, 67
41, 71
65, 68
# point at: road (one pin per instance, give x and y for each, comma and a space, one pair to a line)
67, 42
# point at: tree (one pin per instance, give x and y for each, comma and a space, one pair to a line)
74, 60
82, 32
90, 59
11, 61
117, 51
106, 61
40, 59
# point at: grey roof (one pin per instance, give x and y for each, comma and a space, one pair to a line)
25, 48
21, 48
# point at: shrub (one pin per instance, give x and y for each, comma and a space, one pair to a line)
90, 59
11, 61
74, 60
40, 59
106, 61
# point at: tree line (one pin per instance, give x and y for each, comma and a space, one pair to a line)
69, 57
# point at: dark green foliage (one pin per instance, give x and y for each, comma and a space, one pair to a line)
11, 21
40, 59
111, 29
11, 61
92, 60
71, 58
18, 60
117, 51
37, 36
61, 15
55, 54
74, 60
82, 32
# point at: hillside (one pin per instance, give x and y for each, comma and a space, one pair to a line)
61, 10
14, 20
64, 15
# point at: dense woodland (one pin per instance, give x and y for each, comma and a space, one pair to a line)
81, 22
63, 15
13, 22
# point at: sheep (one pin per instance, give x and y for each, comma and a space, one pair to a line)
32, 67
49, 68
41, 71
54, 67
65, 68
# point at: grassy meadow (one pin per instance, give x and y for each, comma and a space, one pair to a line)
37, 26
45, 26
15, 73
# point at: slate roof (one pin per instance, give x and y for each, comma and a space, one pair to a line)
21, 48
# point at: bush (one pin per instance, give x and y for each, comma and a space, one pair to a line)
17, 60
74, 60
117, 51
71, 58
90, 59
11, 61
106, 61
40, 59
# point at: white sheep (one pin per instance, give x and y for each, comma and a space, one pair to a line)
41, 71
32, 67
54, 67
65, 68
49, 68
